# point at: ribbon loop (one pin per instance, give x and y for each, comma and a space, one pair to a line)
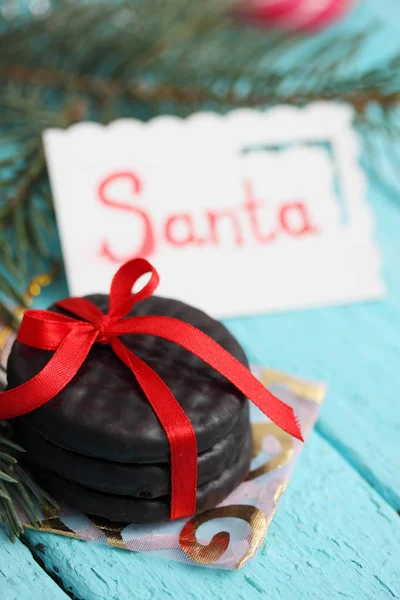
72, 339
44, 329
121, 297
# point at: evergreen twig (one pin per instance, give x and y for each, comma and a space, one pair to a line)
352, 90
102, 60
18, 491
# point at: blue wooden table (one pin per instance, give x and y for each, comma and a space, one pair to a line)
336, 533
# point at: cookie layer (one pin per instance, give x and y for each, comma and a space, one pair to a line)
140, 480
134, 510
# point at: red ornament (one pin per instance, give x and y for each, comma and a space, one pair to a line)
297, 15
71, 340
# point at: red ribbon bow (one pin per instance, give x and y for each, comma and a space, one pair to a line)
72, 339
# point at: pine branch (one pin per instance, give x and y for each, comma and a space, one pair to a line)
104, 60
152, 42
26, 212
18, 491
136, 31
352, 90
185, 53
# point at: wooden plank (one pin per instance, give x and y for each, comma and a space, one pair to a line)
356, 350
333, 536
21, 578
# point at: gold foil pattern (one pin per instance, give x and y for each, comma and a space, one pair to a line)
4, 335
205, 554
112, 531
314, 392
279, 491
52, 523
260, 430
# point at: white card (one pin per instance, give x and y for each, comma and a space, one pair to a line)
244, 213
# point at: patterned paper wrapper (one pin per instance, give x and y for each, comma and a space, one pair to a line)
227, 536
224, 537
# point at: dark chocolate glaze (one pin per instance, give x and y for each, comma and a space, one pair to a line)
139, 480
134, 510
103, 412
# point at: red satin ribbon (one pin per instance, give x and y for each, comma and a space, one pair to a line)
72, 339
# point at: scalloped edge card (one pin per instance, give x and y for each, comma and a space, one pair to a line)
244, 213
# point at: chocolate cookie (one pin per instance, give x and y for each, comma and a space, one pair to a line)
133, 479
134, 510
103, 412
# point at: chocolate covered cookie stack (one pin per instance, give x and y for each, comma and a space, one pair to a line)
98, 445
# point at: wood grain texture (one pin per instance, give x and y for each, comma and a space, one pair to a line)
356, 350
333, 537
21, 578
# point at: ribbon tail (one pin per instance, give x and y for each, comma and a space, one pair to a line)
57, 373
201, 345
178, 429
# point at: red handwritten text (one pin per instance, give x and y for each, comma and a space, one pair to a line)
181, 230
